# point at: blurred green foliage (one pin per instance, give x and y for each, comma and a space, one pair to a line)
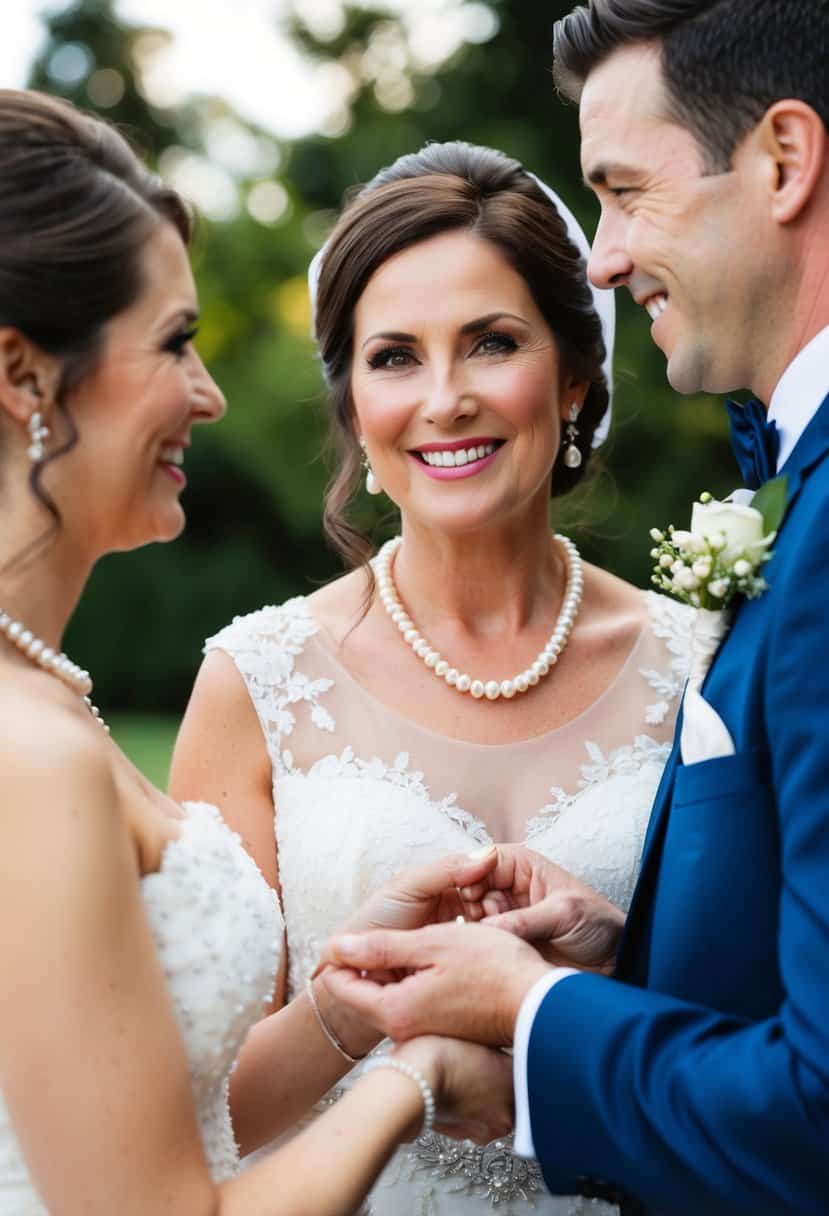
256, 483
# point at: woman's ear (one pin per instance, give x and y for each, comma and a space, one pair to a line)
28, 376
572, 392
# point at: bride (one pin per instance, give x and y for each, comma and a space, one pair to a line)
475, 682
139, 942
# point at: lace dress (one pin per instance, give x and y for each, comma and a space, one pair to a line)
361, 793
218, 931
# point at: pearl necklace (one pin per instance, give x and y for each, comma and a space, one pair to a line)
460, 680
69, 673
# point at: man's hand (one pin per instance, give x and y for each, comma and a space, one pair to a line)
464, 981
567, 921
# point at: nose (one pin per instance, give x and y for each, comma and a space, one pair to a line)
209, 403
449, 401
610, 264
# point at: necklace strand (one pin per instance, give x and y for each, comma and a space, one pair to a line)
58, 665
461, 681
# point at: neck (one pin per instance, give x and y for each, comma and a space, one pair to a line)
802, 315
40, 584
499, 577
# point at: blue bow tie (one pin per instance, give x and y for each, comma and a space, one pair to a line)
755, 441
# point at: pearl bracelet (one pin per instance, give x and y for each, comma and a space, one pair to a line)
326, 1029
408, 1070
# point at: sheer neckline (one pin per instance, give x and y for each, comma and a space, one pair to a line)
527, 743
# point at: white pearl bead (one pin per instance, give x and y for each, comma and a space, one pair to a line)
35, 648
47, 654
491, 689
15, 630
26, 638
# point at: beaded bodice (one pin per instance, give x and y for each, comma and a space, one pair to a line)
218, 931
361, 793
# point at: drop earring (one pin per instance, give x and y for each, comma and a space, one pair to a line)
572, 455
38, 433
372, 484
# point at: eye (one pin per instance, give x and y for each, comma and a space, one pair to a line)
391, 357
494, 343
179, 342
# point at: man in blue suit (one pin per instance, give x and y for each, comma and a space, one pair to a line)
700, 1083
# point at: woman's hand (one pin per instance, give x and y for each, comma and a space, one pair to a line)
466, 981
568, 922
472, 1086
424, 895
414, 898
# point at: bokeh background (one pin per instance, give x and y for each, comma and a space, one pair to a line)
264, 113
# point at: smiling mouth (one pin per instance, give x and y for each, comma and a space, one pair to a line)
655, 305
453, 458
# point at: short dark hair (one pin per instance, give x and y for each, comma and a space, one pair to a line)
76, 210
724, 62
439, 189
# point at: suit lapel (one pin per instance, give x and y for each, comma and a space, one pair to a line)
631, 964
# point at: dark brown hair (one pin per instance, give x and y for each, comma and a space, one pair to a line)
441, 188
724, 62
76, 209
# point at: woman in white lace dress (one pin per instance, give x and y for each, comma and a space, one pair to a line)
139, 942
401, 712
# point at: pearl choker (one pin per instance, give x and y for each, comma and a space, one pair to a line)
69, 673
459, 680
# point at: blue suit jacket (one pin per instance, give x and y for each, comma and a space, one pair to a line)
701, 1083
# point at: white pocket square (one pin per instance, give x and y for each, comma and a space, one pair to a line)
704, 734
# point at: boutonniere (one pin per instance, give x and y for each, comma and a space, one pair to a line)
717, 560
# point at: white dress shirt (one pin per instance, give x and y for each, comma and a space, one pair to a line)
799, 393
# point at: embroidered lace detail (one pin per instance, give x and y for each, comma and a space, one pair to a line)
350, 766
493, 1172
674, 629
265, 646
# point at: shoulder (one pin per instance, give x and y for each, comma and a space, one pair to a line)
56, 775
287, 625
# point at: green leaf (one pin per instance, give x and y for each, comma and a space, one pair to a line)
770, 501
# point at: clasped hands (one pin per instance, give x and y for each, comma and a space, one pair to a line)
405, 968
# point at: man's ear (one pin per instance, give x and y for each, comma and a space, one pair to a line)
28, 376
794, 138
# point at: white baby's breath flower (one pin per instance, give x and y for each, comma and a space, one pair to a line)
702, 567
718, 588
686, 579
666, 561
742, 568
657, 535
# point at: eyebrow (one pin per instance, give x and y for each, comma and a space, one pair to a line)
472, 327
187, 316
600, 173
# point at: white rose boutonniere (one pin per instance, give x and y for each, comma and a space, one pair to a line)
719, 558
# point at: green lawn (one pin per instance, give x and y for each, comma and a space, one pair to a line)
148, 741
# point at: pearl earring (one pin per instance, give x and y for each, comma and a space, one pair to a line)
572, 455
372, 484
37, 434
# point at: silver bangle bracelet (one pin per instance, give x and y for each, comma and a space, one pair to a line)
326, 1029
385, 1061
